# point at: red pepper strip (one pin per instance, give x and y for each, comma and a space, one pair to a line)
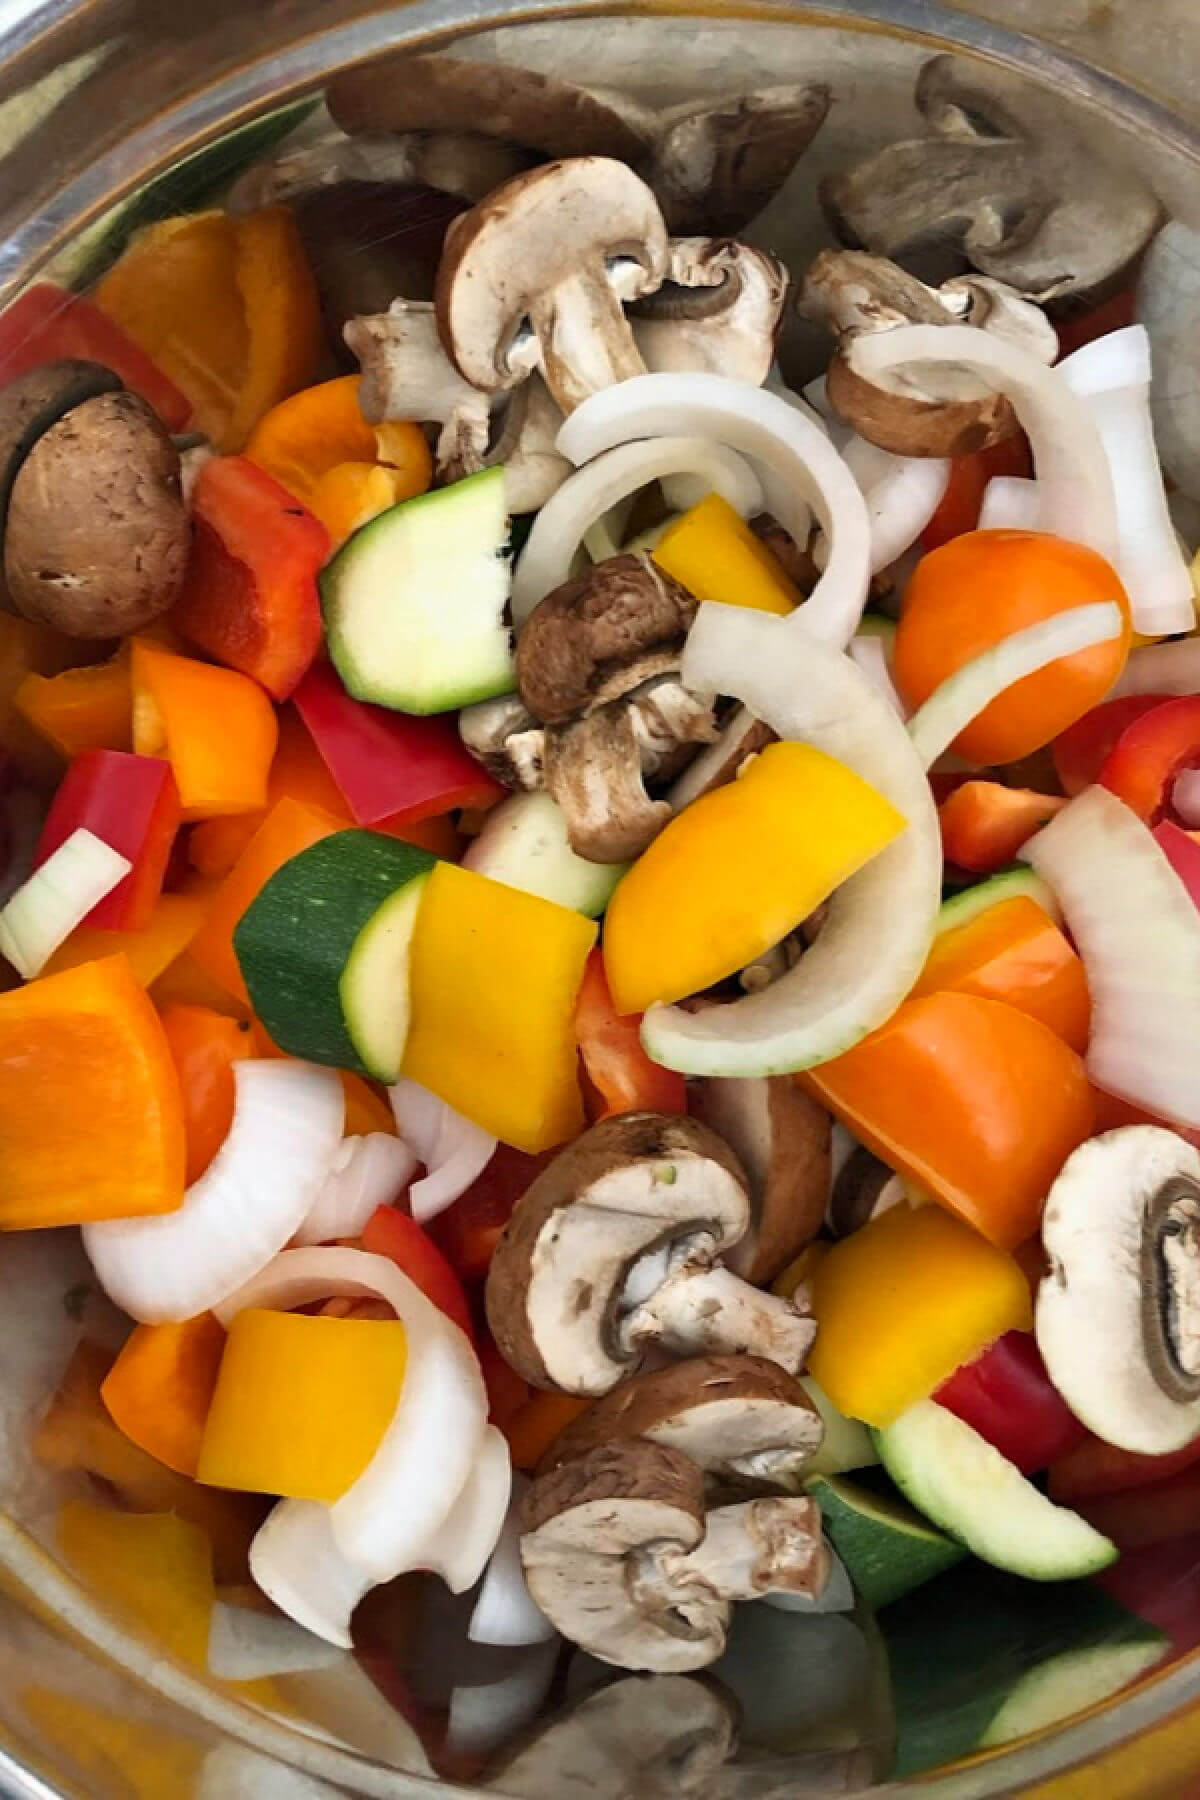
1111, 315
984, 824
1150, 753
1182, 851
507, 1393
1146, 1515
391, 1233
389, 767
47, 323
132, 803
1161, 1583
1008, 1398
620, 1076
1095, 1468
958, 509
250, 592
1081, 751
469, 1230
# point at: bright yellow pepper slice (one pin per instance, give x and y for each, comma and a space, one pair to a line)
903, 1303
301, 1403
738, 870
716, 556
493, 978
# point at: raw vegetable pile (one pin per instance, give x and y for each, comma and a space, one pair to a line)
659, 1068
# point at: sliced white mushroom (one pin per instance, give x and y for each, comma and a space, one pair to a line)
781, 1137
718, 309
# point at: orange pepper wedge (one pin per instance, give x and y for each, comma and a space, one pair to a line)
1016, 953
216, 728
91, 1121
160, 1388
309, 432
150, 952
26, 648
204, 1046
80, 709
534, 1426
365, 1111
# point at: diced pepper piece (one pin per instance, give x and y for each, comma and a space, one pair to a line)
1113, 314
1081, 751
351, 494
25, 649
311, 431
738, 870
47, 324
1092, 1468
365, 1110
620, 1076
1006, 1396
493, 978
389, 767
132, 804
1182, 851
81, 709
149, 952
160, 1388
288, 828
713, 552
1014, 952
978, 1103
507, 1393
394, 1234
249, 595
153, 1570
534, 1426
469, 1230
110, 1746
185, 983
902, 1303
215, 727
91, 1124
984, 824
301, 1402
1151, 751
227, 306
204, 1046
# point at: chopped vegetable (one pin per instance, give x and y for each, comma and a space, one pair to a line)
216, 728
160, 1388
1154, 747
132, 804
1014, 952
46, 324
152, 1570
204, 1047
57, 897
391, 1233
1090, 1468
470, 1228
524, 843
80, 709
984, 824
887, 1548
150, 952
316, 433
368, 1172
1006, 1396
453, 1150
1081, 751
716, 556
620, 1076
958, 509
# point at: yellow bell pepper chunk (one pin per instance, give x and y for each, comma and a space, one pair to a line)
301, 1403
903, 1303
738, 870
152, 1570
716, 556
493, 978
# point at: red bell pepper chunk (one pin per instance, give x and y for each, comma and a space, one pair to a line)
394, 1234
250, 591
132, 803
984, 824
620, 1076
1161, 1583
1094, 1468
47, 323
1154, 1514
1183, 853
1081, 751
1111, 315
390, 768
1008, 1398
507, 1393
469, 1230
1142, 765
958, 509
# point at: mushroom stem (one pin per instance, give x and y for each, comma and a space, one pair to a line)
586, 342
701, 1310
769, 1545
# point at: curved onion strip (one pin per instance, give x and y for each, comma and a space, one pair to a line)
587, 495
870, 653
387, 1518
454, 1150
1162, 669
1010, 503
254, 1195
295, 1560
245, 1644
1138, 931
961, 698
505, 1612
467, 1537
873, 943
902, 494
366, 1172
798, 466
1075, 489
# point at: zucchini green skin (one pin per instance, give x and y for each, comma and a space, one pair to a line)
295, 938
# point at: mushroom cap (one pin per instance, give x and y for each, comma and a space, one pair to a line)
1118, 1314
782, 1138
628, 1185
717, 164
98, 535
738, 1418
34, 401
587, 216
599, 636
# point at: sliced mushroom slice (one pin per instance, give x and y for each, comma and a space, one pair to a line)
1118, 1314
781, 1137
615, 1247
716, 165
864, 1188
741, 1419
593, 768
535, 276
533, 468
718, 310
506, 738
407, 375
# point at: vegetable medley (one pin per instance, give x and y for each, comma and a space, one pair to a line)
605, 952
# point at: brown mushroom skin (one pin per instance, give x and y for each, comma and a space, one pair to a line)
908, 426
789, 1171
34, 401
98, 535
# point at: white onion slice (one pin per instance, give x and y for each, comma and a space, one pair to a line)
965, 694
1075, 489
880, 923
297, 1563
487, 1715
58, 896
366, 1173
1111, 376
1185, 796
384, 1522
798, 466
1162, 669
591, 492
469, 1534
454, 1150
505, 1612
1138, 931
1010, 503
245, 1644
902, 494
254, 1195
870, 653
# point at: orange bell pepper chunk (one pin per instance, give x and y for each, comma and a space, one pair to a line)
216, 728
81, 709
26, 648
288, 828
91, 1122
977, 1103
228, 309
619, 1076
533, 1427
984, 824
185, 983
1016, 953
365, 1110
351, 494
150, 952
309, 433
161, 1386
204, 1046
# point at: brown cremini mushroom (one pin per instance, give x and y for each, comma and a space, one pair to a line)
781, 1137
97, 536
34, 401
717, 310
506, 738
716, 164
864, 1187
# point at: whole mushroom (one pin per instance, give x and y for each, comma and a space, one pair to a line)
34, 401
617, 1246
